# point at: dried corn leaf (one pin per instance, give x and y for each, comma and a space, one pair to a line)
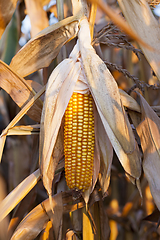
38, 16
107, 99
120, 22
38, 218
149, 133
44, 47
2, 143
20, 211
147, 28
59, 90
58, 211
20, 90
47, 233
128, 101
7, 9
18, 194
24, 130
16, 119
32, 224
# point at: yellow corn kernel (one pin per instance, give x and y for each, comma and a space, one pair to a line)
79, 141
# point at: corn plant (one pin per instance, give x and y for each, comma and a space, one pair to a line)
82, 119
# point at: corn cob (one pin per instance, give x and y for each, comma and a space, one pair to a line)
79, 141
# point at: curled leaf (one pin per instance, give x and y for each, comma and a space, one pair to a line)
128, 101
24, 130
20, 90
37, 219
149, 133
40, 51
106, 154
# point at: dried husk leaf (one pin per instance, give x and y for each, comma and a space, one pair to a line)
44, 47
107, 99
37, 219
20, 90
106, 153
59, 90
147, 28
149, 133
18, 194
7, 9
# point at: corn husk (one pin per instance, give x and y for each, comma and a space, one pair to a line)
59, 90
82, 71
106, 95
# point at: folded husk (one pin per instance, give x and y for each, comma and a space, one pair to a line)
106, 95
59, 90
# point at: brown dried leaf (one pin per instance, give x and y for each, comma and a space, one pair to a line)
47, 233
55, 216
37, 219
7, 9
149, 133
20, 90
44, 47
32, 224
18, 194
120, 22
2, 143
128, 101
140, 17
20, 212
24, 130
